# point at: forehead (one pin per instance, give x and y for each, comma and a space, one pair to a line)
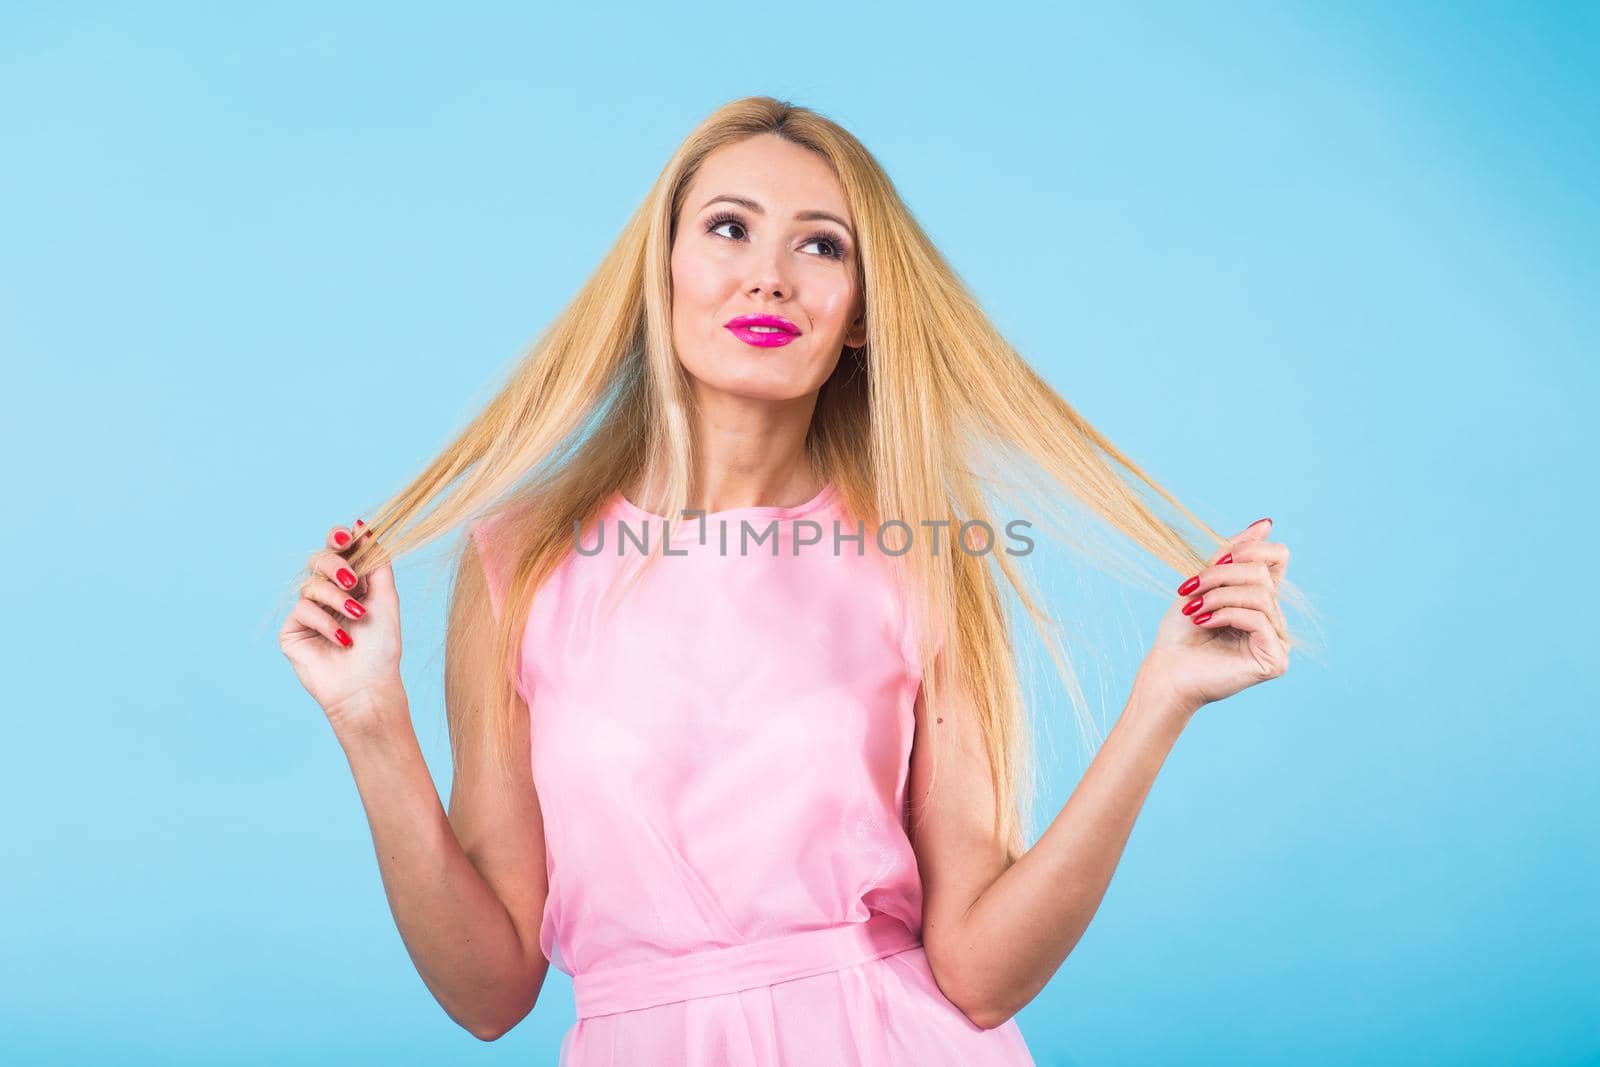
781, 176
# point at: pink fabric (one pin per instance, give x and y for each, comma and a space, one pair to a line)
722, 765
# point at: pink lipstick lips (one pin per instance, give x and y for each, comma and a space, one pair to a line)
763, 331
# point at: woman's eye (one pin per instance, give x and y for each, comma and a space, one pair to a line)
834, 250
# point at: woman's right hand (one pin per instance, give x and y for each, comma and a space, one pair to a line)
343, 635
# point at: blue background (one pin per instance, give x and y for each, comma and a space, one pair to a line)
1330, 263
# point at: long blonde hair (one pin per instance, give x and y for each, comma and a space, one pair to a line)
936, 417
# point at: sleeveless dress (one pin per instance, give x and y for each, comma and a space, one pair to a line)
721, 763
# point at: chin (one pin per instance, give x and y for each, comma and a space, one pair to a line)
758, 387
782, 373
759, 379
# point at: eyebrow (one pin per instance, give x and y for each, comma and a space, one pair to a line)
803, 216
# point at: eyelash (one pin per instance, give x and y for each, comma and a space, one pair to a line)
722, 218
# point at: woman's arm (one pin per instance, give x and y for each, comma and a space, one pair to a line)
482, 968
467, 890
995, 935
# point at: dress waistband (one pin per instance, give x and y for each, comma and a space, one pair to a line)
728, 970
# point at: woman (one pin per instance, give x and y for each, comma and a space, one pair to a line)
709, 792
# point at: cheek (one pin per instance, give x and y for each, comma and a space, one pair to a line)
696, 280
832, 303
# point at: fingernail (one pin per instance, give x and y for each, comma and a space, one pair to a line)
364, 527
1258, 522
345, 578
353, 609
1198, 619
341, 538
1225, 559
344, 638
1190, 586
1193, 606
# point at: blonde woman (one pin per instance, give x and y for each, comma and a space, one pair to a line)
763, 805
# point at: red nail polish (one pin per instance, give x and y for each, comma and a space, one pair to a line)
364, 527
353, 609
346, 578
344, 638
1198, 619
1190, 586
341, 538
1193, 606
1225, 559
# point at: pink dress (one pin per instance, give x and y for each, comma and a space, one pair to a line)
721, 764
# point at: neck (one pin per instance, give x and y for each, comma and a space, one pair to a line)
725, 487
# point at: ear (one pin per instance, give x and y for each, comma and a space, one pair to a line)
858, 332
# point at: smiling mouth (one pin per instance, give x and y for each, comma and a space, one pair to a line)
762, 336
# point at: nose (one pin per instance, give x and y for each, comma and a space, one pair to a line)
769, 275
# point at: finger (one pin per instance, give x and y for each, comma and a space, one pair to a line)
312, 617
328, 594
344, 538
379, 579
363, 536
1275, 554
1258, 529
1247, 620
1220, 574
1252, 595
338, 570
1263, 636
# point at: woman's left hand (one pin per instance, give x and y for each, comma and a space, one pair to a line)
1226, 631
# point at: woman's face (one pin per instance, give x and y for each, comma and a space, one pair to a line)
751, 240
